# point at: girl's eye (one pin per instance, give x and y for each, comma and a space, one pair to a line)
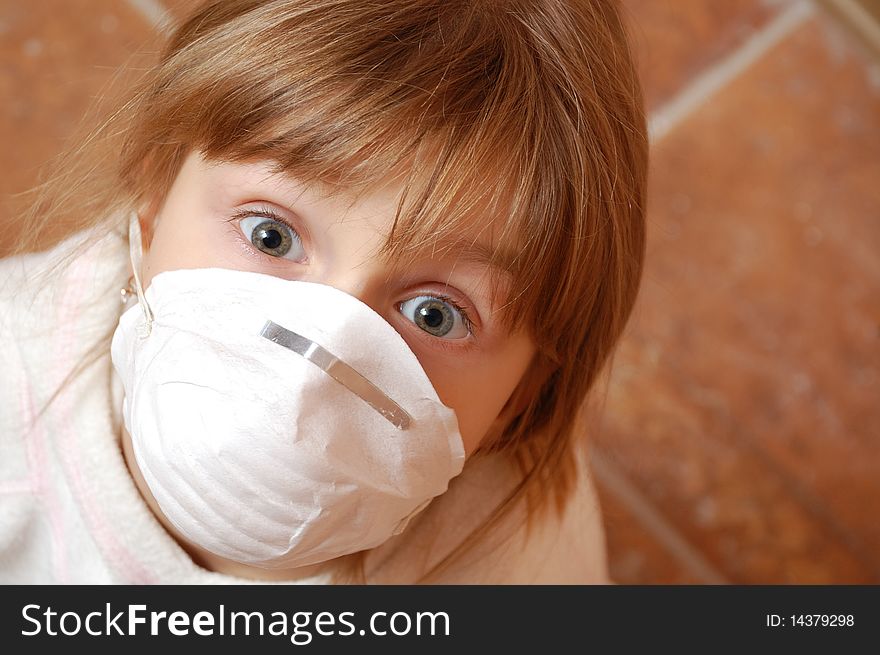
435, 316
272, 237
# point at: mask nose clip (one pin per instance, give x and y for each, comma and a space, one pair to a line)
337, 369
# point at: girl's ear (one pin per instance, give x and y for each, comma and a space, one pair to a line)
147, 216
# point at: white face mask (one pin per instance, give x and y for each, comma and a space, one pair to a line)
278, 423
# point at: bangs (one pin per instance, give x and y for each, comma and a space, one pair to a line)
451, 98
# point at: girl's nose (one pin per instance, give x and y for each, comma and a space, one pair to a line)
363, 283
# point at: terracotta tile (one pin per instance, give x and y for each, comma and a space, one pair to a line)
57, 56
678, 39
745, 399
727, 503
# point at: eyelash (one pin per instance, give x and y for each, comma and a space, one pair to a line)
267, 212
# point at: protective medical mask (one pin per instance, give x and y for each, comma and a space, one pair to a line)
277, 423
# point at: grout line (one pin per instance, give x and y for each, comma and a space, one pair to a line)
665, 118
155, 14
856, 18
816, 507
648, 517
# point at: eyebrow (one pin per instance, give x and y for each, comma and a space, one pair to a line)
475, 253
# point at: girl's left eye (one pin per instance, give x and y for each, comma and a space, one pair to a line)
272, 237
436, 316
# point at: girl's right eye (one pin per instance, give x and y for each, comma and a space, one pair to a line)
437, 316
271, 236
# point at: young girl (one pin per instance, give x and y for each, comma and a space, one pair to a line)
373, 257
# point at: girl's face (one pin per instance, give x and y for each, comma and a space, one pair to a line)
242, 216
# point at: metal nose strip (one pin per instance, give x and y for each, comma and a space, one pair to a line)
339, 371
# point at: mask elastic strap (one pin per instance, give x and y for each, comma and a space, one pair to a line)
136, 254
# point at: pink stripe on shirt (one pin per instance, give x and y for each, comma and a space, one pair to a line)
81, 276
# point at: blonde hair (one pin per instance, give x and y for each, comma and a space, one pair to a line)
533, 106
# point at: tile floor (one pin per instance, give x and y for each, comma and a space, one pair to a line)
741, 439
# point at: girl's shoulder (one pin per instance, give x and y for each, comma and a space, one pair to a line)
53, 304
557, 548
552, 548
571, 548
34, 285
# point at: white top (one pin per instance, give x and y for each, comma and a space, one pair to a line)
69, 509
